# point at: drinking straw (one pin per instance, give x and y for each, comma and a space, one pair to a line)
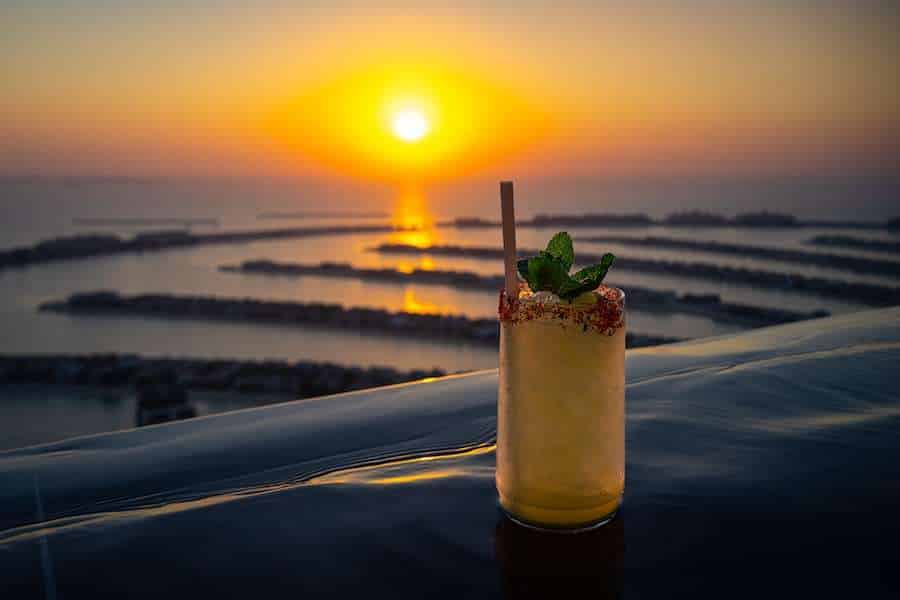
508, 216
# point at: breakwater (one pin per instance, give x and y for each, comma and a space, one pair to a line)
455, 279
854, 243
843, 262
87, 246
704, 305
864, 293
95, 245
423, 326
298, 379
694, 218
181, 223
321, 214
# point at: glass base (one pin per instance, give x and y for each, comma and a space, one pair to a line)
581, 528
557, 518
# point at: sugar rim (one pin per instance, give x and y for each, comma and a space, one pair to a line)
606, 315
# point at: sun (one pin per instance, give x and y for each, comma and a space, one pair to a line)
407, 120
409, 125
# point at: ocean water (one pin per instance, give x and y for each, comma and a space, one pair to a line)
34, 211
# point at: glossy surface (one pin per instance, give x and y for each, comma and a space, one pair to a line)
761, 465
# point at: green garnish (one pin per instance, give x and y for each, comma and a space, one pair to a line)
549, 270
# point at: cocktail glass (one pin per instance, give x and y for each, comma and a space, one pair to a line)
561, 409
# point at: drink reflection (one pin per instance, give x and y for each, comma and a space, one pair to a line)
536, 564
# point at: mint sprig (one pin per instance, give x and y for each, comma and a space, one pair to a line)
560, 248
549, 270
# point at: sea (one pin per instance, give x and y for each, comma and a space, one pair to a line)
38, 209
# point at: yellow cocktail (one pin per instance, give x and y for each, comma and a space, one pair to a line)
561, 408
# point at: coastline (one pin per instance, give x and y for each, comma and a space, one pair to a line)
709, 306
430, 326
301, 379
866, 293
689, 218
854, 243
94, 245
91, 245
855, 264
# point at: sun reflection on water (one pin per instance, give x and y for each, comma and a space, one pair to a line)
411, 304
424, 263
413, 220
416, 227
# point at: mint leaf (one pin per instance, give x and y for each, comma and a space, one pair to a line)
546, 273
522, 267
549, 270
587, 279
598, 270
560, 248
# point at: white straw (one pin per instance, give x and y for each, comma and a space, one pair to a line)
508, 215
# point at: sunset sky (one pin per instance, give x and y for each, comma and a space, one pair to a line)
441, 90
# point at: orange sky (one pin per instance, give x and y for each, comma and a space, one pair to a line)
537, 88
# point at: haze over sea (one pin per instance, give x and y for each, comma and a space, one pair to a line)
36, 209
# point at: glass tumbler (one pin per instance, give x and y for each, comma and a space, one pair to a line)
561, 409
